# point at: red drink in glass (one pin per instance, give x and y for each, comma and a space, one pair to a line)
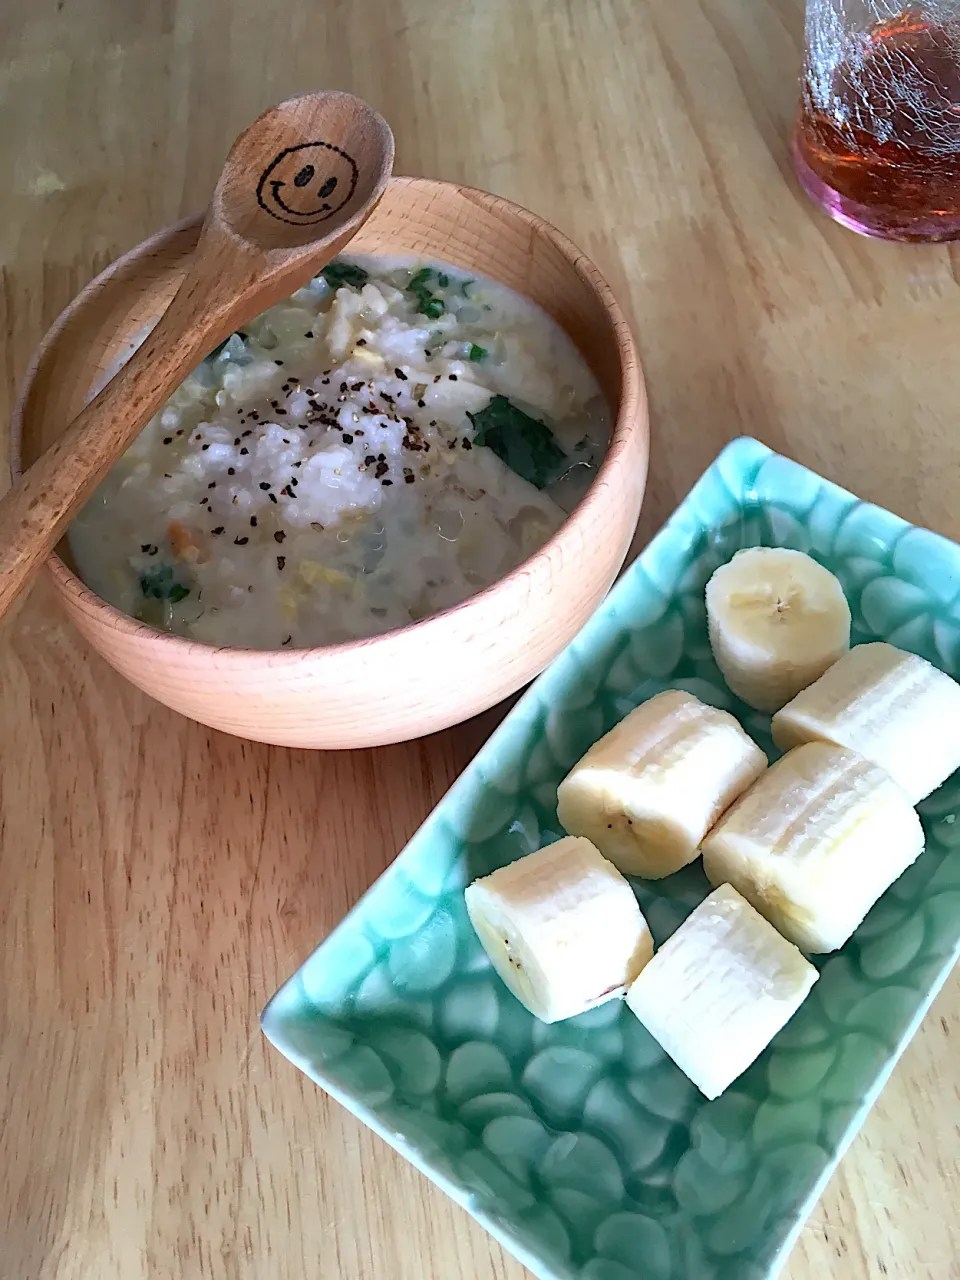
877, 141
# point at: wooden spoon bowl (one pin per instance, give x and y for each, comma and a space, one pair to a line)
452, 665
296, 185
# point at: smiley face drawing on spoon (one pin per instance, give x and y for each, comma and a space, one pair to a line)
307, 183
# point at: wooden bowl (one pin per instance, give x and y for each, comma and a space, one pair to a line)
431, 674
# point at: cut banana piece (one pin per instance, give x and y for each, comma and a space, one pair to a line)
719, 990
815, 843
777, 620
892, 707
562, 929
648, 792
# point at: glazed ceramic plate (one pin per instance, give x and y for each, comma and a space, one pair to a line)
580, 1145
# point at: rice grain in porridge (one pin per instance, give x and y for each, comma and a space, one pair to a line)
389, 440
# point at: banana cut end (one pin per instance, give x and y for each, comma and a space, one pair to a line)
777, 620
562, 929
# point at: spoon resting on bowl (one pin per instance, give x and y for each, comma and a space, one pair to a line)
296, 186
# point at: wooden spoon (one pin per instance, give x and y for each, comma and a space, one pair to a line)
296, 186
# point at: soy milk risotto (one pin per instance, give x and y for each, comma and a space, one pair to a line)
394, 437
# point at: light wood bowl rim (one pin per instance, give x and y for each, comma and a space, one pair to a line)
631, 418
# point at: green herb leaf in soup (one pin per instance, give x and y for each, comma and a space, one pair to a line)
160, 584
338, 273
526, 445
428, 304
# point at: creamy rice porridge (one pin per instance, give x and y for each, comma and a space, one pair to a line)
394, 437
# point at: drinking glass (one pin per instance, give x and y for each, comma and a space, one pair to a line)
877, 139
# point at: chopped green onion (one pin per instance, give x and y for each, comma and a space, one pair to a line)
338, 273
428, 304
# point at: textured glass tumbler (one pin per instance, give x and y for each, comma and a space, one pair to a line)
877, 139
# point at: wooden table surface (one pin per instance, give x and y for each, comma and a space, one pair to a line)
158, 880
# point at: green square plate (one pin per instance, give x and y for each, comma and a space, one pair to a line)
580, 1146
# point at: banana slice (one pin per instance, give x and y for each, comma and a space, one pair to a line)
892, 707
777, 621
815, 843
562, 929
648, 792
719, 990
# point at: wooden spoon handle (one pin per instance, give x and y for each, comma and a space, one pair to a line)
253, 250
35, 513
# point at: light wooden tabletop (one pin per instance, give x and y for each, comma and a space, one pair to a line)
157, 880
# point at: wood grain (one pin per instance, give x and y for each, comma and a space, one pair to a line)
157, 880
503, 636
